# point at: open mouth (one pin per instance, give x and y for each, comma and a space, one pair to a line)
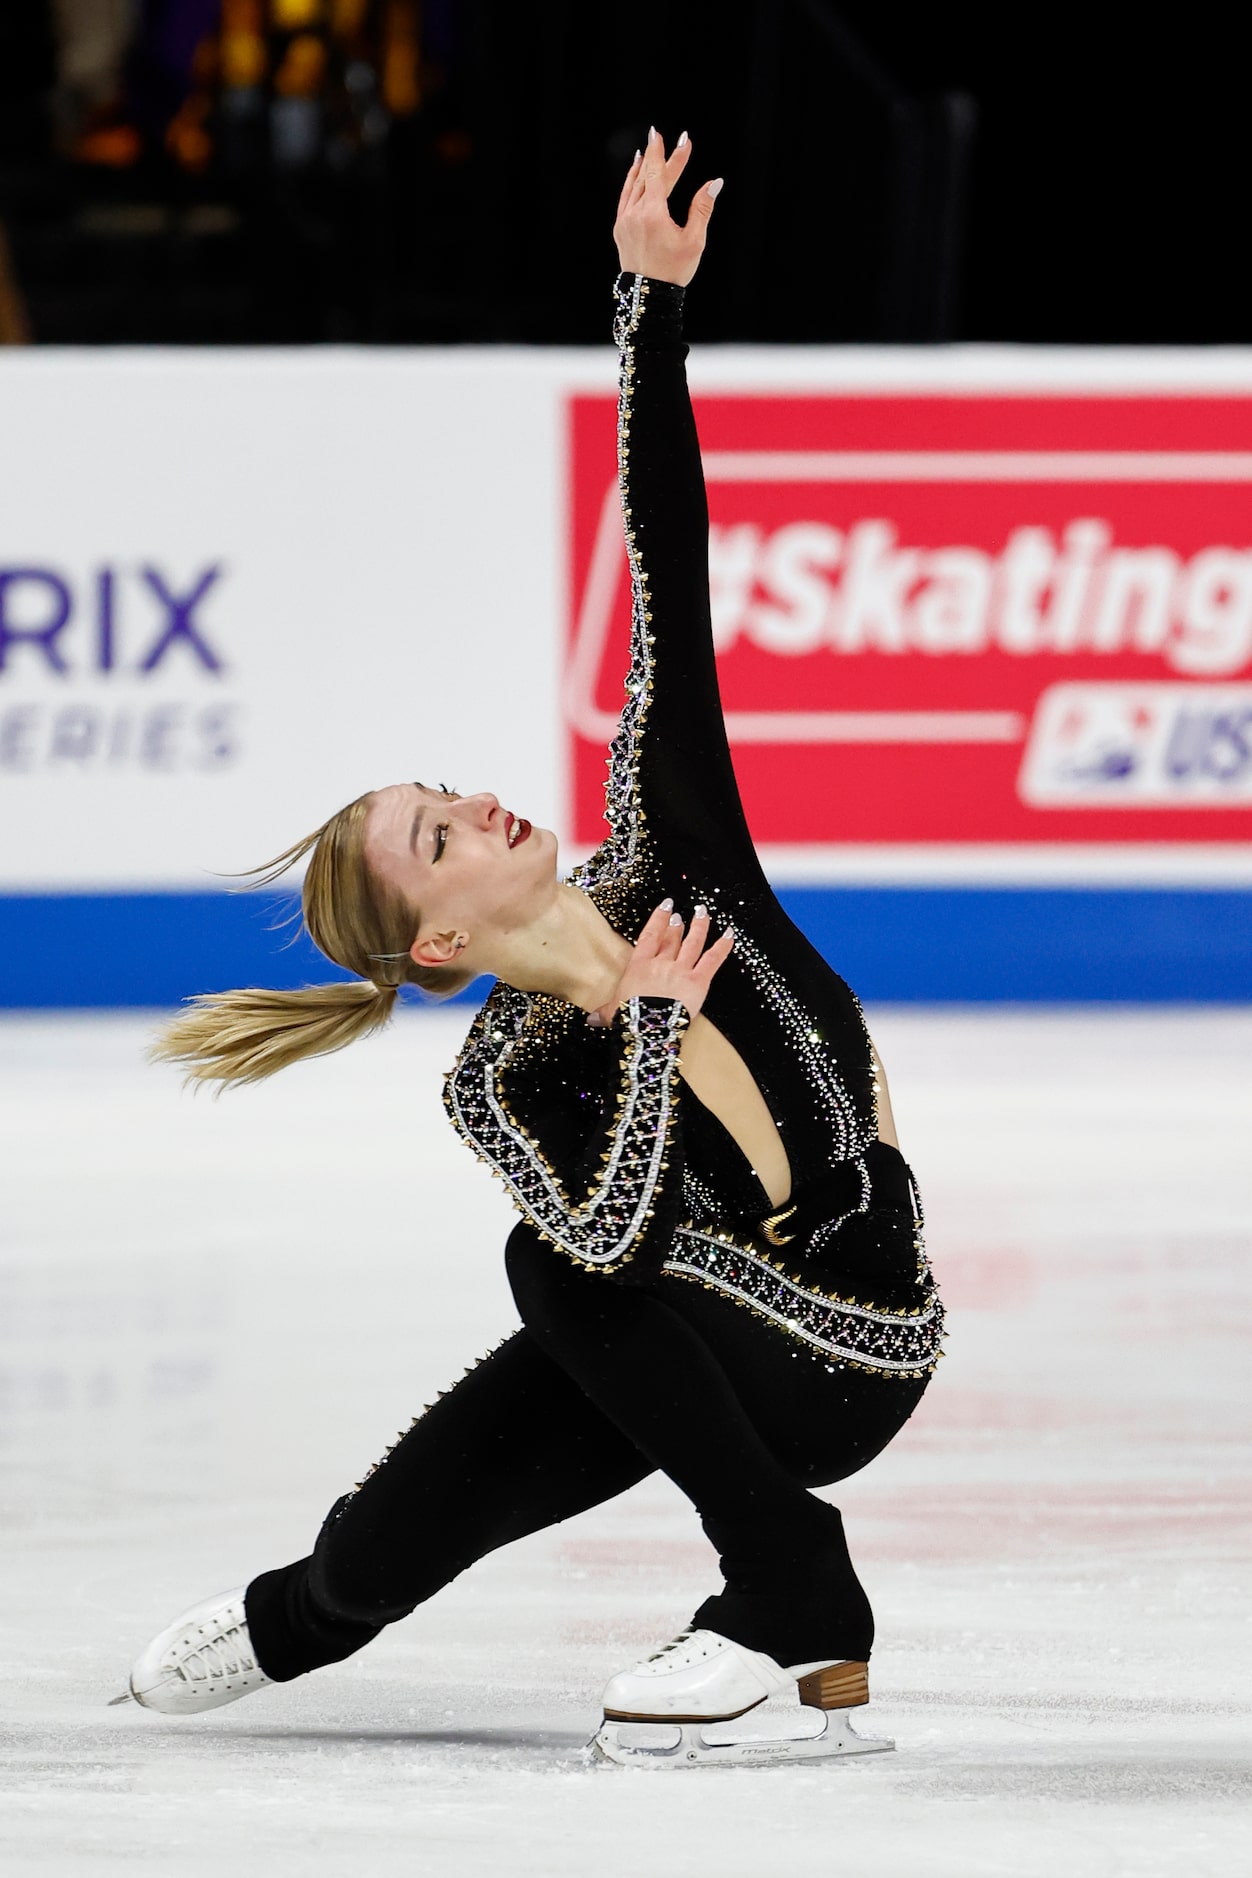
516, 829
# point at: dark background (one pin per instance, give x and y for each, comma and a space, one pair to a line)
1061, 174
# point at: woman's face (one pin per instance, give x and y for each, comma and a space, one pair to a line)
472, 868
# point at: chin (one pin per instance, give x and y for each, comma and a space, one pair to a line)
534, 861
543, 842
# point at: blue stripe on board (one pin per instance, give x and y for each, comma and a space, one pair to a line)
898, 944
90, 950
1038, 944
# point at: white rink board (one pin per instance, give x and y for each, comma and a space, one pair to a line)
387, 531
386, 605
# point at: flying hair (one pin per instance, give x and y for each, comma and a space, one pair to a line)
226, 1038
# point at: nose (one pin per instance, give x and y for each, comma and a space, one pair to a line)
480, 808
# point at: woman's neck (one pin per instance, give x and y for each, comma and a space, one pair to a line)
569, 951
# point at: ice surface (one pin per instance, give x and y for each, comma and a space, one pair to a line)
215, 1315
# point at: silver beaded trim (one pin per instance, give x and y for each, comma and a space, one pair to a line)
617, 854
603, 1228
851, 1134
824, 1234
699, 1199
892, 1343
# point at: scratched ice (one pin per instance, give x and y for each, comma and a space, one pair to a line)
214, 1315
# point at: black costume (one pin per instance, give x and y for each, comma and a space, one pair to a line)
644, 1230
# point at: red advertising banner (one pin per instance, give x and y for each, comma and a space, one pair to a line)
965, 618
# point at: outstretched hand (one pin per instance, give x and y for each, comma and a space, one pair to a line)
648, 239
666, 964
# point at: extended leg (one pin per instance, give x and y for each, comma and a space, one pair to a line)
514, 1447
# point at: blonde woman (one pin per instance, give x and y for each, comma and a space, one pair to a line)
718, 1265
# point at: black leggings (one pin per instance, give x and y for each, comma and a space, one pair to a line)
603, 1385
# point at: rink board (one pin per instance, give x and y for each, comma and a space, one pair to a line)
897, 944
984, 621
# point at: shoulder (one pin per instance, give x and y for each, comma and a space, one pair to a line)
499, 1022
512, 1023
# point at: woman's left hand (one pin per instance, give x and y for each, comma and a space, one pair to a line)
648, 239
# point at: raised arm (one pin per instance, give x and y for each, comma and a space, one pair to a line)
670, 758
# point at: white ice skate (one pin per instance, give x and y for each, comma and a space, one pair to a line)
685, 1707
202, 1661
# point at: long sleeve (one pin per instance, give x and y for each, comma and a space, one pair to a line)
616, 1201
670, 764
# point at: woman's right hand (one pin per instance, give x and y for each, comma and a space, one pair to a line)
648, 239
665, 963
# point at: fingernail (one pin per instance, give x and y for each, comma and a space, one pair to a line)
702, 912
652, 134
638, 156
682, 139
715, 188
595, 1021
667, 906
675, 919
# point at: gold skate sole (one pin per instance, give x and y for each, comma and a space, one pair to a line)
834, 1686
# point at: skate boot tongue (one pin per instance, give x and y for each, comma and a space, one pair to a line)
675, 1643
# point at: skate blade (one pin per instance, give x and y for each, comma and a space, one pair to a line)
806, 1734
131, 1694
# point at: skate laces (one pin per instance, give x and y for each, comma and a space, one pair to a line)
675, 1643
227, 1654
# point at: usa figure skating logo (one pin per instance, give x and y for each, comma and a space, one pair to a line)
1167, 746
979, 618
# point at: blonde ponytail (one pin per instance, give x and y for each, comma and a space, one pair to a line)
234, 1037
359, 923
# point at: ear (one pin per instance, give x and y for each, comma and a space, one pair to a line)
438, 948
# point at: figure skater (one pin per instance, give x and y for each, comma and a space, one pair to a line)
719, 1264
